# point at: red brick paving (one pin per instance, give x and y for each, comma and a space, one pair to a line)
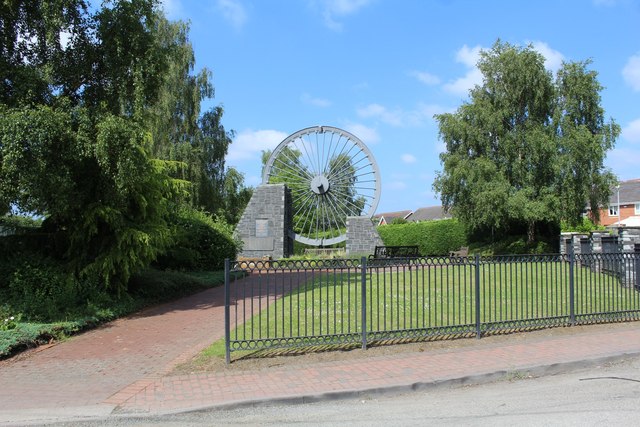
174, 393
124, 365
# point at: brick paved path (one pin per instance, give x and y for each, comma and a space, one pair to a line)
403, 371
123, 367
100, 368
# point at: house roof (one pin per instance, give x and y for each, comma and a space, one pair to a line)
389, 216
397, 214
429, 213
629, 192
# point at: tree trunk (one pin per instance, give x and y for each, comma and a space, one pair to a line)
531, 232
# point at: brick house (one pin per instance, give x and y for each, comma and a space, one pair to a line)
386, 218
429, 213
628, 206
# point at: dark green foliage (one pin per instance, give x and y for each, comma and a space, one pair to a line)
20, 224
41, 290
92, 305
586, 226
27, 335
525, 149
82, 119
515, 245
398, 220
156, 285
201, 242
431, 237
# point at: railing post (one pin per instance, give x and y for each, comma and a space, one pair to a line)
227, 313
572, 295
477, 286
363, 283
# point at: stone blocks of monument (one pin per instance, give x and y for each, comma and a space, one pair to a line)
265, 223
362, 236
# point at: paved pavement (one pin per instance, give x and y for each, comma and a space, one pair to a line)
125, 367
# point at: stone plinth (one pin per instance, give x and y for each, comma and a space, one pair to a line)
265, 223
362, 236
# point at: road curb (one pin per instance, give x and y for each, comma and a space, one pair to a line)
516, 373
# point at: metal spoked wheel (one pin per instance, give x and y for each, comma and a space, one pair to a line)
332, 175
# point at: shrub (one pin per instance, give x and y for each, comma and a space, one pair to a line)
201, 242
431, 237
42, 290
8, 319
18, 224
586, 226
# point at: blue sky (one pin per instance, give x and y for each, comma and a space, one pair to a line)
381, 69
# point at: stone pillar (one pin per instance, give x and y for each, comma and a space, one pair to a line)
265, 223
576, 242
596, 241
565, 241
362, 236
596, 248
629, 238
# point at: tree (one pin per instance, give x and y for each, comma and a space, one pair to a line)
74, 136
235, 196
197, 142
525, 150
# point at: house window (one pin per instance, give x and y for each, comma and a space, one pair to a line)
637, 209
613, 210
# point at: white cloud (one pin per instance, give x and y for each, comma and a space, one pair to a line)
631, 132
425, 77
234, 12
335, 9
623, 161
364, 133
468, 57
553, 58
173, 9
249, 144
399, 117
380, 112
408, 158
317, 102
631, 72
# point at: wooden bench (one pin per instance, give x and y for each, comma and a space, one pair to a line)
462, 252
389, 255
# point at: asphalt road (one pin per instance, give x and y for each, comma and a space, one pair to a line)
601, 395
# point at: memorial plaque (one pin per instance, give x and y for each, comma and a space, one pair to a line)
262, 228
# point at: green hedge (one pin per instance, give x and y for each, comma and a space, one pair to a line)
432, 237
201, 242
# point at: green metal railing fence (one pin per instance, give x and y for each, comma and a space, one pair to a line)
284, 304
